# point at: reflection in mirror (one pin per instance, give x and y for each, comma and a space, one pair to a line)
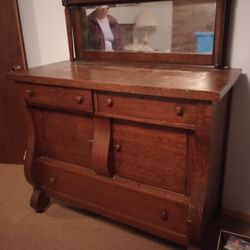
178, 26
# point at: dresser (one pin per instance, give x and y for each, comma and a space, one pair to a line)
142, 143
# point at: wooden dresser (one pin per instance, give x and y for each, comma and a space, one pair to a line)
142, 143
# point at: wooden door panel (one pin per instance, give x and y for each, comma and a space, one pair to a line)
152, 155
12, 131
65, 137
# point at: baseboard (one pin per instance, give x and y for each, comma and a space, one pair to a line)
236, 215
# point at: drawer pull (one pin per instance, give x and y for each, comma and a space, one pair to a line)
90, 141
109, 103
79, 99
118, 148
164, 215
29, 92
53, 179
179, 110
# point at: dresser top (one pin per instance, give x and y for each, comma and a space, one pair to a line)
197, 83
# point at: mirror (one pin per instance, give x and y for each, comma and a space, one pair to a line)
179, 26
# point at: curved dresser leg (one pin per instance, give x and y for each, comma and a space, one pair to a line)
39, 201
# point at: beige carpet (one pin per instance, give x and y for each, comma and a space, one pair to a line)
60, 227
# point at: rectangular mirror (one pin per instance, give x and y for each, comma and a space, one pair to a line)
179, 26
191, 32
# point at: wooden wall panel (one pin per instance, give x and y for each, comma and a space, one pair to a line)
197, 16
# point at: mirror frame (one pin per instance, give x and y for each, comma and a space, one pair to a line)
74, 17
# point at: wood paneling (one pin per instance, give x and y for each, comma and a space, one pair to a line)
197, 16
70, 145
12, 132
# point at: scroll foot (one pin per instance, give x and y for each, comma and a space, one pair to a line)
39, 201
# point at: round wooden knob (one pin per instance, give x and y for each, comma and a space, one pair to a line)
179, 110
90, 141
29, 93
118, 148
79, 99
53, 179
15, 67
164, 215
109, 102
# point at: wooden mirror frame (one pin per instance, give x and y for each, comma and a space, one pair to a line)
74, 17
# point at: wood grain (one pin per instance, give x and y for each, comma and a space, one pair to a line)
115, 199
101, 146
138, 160
192, 83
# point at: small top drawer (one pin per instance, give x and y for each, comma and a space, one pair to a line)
65, 98
160, 110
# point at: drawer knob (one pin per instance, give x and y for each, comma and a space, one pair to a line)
179, 110
90, 141
109, 102
79, 99
164, 215
15, 67
118, 148
29, 93
53, 179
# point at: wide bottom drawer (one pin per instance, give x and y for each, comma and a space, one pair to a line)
131, 204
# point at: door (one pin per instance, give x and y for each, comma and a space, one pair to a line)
12, 131
151, 154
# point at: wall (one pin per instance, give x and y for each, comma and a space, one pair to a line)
237, 179
203, 19
44, 31
45, 39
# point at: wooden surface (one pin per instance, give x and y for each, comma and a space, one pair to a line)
143, 145
12, 132
192, 83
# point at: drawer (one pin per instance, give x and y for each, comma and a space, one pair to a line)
65, 98
117, 199
159, 109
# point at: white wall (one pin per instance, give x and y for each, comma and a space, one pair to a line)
44, 31
237, 179
45, 39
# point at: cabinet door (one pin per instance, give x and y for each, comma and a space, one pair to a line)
152, 155
64, 136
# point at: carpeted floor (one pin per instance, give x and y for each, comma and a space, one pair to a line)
60, 227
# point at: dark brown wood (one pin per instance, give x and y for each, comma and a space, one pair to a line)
221, 33
39, 201
69, 33
12, 132
77, 21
